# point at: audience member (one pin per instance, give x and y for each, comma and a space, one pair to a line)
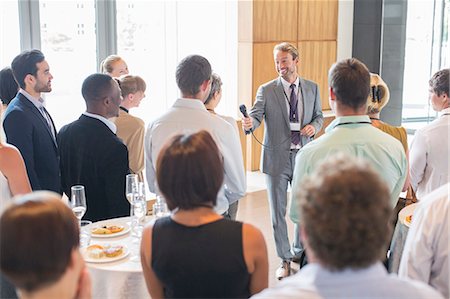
13, 175
91, 153
39, 242
345, 208
352, 133
213, 257
114, 66
215, 95
292, 112
131, 129
425, 255
430, 146
8, 86
29, 126
188, 114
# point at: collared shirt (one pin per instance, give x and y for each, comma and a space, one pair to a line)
188, 116
355, 136
287, 93
425, 255
37, 102
104, 120
428, 155
314, 282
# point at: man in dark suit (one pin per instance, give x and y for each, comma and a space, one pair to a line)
91, 153
29, 126
292, 111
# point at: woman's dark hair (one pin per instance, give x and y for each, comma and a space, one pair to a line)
37, 235
190, 171
8, 85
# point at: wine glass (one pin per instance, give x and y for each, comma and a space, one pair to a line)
131, 189
78, 201
160, 207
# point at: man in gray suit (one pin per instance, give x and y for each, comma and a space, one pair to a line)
292, 111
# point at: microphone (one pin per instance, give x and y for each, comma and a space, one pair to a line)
243, 110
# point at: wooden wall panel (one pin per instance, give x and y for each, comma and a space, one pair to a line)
317, 19
263, 65
274, 20
316, 58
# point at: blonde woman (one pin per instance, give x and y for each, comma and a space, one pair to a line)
377, 100
131, 129
114, 66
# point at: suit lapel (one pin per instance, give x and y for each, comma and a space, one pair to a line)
281, 98
305, 96
38, 114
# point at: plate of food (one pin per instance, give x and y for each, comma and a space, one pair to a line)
405, 215
108, 229
104, 253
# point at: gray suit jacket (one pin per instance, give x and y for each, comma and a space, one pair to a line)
271, 106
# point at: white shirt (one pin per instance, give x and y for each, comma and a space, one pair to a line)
107, 122
189, 116
314, 282
428, 156
425, 255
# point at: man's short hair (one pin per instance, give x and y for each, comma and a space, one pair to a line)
286, 47
96, 87
37, 235
345, 210
189, 171
350, 81
24, 64
130, 84
8, 86
378, 96
216, 85
191, 72
439, 83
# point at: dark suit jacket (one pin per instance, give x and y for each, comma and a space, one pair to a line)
27, 129
270, 105
93, 156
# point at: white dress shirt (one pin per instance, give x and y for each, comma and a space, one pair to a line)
314, 282
189, 116
428, 156
425, 255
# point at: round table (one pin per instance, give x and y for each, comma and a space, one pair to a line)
122, 278
399, 237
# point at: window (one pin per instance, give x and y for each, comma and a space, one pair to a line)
153, 36
9, 32
426, 52
69, 45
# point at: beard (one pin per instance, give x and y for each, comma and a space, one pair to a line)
41, 87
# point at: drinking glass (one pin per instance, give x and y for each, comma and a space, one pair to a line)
78, 201
160, 207
85, 233
131, 189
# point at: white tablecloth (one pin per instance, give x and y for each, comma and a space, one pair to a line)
122, 278
399, 237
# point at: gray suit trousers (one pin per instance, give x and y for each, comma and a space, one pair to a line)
277, 193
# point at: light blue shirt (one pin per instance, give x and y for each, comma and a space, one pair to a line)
353, 135
316, 282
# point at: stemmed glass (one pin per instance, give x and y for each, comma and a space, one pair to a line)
78, 201
139, 207
160, 207
131, 189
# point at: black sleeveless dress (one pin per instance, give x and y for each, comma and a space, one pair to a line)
205, 261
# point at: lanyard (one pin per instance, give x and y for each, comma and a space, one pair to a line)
356, 122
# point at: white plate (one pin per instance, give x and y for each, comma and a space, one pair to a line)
126, 228
406, 211
88, 259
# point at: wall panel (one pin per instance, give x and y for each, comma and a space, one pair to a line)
274, 20
317, 20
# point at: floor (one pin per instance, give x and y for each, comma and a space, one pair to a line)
254, 209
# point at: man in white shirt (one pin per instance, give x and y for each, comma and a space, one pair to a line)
345, 208
429, 151
188, 114
425, 255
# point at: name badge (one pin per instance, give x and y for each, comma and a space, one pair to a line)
295, 126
